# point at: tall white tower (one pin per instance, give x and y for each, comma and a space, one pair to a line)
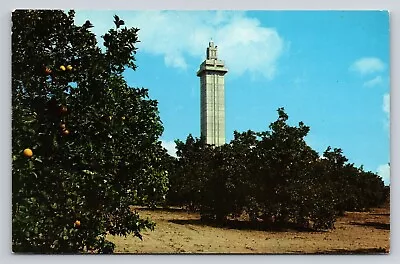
212, 110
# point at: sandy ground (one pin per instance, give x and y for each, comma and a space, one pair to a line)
178, 231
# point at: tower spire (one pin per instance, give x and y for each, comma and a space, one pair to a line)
211, 51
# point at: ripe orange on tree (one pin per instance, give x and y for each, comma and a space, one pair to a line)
47, 70
62, 67
77, 223
65, 132
69, 67
28, 152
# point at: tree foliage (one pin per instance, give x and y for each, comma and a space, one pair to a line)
94, 139
272, 176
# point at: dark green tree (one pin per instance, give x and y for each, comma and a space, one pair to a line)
190, 173
272, 176
94, 140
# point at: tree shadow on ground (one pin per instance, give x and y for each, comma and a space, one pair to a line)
381, 214
160, 209
360, 251
373, 224
168, 209
244, 225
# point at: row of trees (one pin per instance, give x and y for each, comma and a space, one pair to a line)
85, 145
274, 176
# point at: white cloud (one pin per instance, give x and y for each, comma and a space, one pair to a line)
367, 65
386, 109
170, 146
373, 82
243, 43
384, 172
175, 61
386, 103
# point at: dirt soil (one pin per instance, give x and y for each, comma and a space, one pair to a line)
178, 231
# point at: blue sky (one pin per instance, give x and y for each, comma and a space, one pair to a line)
329, 69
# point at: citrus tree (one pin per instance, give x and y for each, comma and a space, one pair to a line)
272, 176
190, 172
85, 145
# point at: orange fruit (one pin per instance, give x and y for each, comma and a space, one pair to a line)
77, 223
65, 132
69, 67
62, 67
47, 70
28, 152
